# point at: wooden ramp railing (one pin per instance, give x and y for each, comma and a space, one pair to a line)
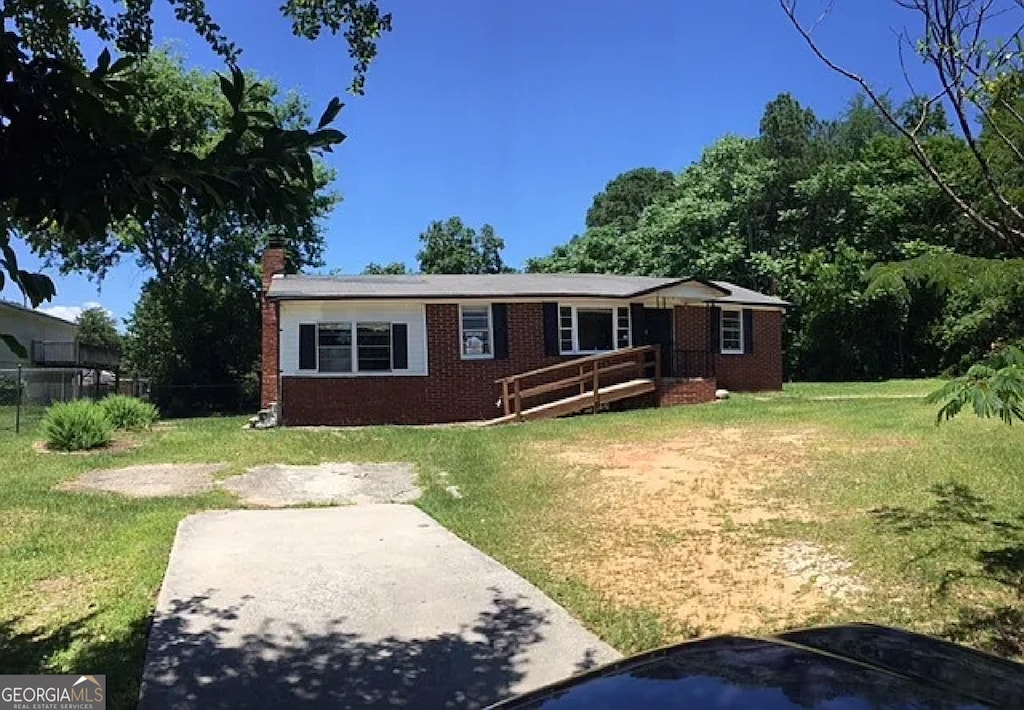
588, 385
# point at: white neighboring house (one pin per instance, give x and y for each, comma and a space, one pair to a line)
57, 366
28, 327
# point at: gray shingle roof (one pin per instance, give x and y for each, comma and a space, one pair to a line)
433, 286
747, 297
464, 286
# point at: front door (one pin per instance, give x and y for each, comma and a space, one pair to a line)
658, 331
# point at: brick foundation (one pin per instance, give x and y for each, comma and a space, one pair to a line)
673, 392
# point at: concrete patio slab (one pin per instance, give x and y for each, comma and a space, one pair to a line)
155, 480
280, 485
359, 607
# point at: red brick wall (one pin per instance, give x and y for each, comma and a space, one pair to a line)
463, 390
355, 400
760, 370
455, 389
691, 328
672, 392
756, 371
693, 357
273, 263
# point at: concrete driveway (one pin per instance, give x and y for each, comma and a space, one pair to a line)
355, 607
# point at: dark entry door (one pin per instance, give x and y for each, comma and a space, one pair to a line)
658, 331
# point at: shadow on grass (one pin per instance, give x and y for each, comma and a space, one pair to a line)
81, 649
991, 550
199, 658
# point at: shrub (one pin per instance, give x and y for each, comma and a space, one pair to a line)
76, 426
128, 412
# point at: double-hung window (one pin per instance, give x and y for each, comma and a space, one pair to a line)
334, 347
353, 347
593, 329
373, 347
732, 331
476, 332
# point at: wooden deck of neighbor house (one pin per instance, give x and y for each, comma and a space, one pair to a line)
596, 380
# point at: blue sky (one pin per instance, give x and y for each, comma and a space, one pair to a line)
517, 113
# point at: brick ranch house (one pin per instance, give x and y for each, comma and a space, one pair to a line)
357, 350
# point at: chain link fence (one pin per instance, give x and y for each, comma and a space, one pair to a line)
26, 392
198, 400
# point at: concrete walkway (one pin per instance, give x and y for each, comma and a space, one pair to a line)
356, 607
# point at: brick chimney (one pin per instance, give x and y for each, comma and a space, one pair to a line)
273, 263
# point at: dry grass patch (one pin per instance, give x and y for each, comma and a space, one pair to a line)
673, 525
59, 598
16, 521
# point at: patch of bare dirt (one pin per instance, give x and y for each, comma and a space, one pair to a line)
671, 526
118, 445
815, 567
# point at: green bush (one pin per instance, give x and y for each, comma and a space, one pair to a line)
128, 412
76, 426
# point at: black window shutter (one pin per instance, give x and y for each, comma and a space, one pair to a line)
716, 328
499, 321
637, 326
551, 328
748, 330
399, 346
307, 346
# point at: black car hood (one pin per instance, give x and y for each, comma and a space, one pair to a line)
838, 668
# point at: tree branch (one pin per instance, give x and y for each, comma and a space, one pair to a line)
1009, 235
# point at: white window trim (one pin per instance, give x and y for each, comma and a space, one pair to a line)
490, 332
721, 332
576, 331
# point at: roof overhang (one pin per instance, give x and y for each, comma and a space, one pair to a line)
690, 290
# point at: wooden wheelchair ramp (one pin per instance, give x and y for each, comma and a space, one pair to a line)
595, 381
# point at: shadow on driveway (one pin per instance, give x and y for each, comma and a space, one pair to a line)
291, 668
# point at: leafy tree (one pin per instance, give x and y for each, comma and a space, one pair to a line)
198, 341
188, 107
981, 82
195, 329
978, 77
810, 230
93, 167
98, 328
693, 232
787, 129
451, 247
394, 267
626, 197
598, 250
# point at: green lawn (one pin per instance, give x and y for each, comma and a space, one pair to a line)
930, 518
